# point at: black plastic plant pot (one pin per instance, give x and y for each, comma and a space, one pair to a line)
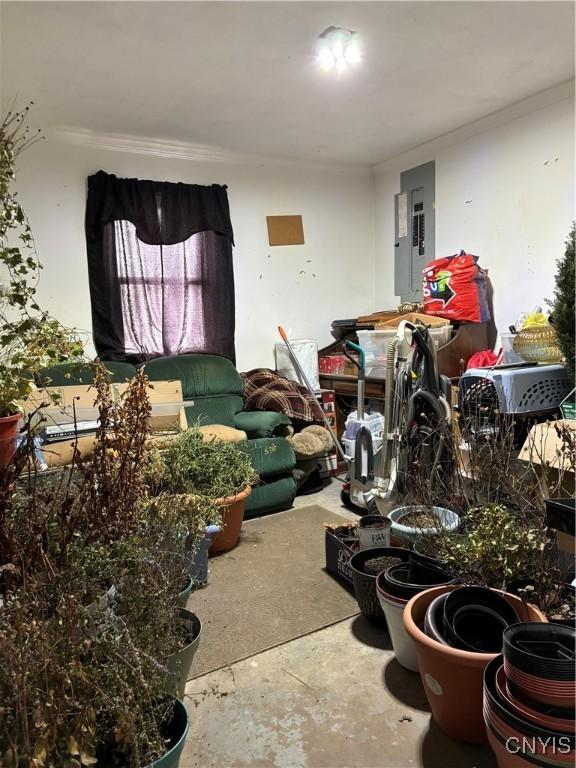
365, 582
398, 580
475, 619
542, 650
494, 703
421, 564
434, 619
478, 628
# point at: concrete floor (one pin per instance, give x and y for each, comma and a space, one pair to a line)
336, 698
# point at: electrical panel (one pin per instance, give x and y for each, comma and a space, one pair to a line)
414, 230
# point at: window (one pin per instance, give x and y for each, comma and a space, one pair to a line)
159, 287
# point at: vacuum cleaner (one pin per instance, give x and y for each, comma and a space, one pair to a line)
362, 441
417, 417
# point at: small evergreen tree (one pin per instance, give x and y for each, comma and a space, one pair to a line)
563, 303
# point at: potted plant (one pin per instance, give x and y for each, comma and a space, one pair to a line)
179, 663
416, 522
212, 472
365, 566
452, 678
82, 686
497, 545
29, 338
192, 519
374, 531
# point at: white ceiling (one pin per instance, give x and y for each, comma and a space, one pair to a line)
242, 75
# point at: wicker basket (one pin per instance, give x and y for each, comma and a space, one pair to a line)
538, 344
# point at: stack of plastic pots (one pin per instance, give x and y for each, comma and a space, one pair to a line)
540, 662
530, 716
364, 580
453, 676
394, 588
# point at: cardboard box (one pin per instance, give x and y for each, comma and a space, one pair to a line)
544, 449
168, 416
82, 396
339, 552
164, 428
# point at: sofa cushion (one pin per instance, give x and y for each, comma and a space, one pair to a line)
270, 456
220, 432
73, 373
200, 375
213, 410
274, 496
263, 423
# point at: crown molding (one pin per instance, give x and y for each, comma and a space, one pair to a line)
520, 109
139, 145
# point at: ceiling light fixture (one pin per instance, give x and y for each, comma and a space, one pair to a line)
338, 49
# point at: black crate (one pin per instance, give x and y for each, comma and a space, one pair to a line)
338, 552
561, 515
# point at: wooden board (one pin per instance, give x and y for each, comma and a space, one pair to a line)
415, 317
285, 230
164, 428
82, 395
544, 446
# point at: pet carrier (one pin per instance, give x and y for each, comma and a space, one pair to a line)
486, 394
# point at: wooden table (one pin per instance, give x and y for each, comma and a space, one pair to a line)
347, 386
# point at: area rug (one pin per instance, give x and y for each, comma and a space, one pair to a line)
270, 589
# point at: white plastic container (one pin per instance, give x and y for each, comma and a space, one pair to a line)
374, 531
373, 421
508, 354
402, 644
349, 445
375, 345
449, 522
306, 350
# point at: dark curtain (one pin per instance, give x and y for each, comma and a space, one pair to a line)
160, 268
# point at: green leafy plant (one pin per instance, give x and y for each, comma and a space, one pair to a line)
497, 548
563, 302
212, 469
89, 578
29, 338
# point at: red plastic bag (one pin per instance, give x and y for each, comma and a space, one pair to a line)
486, 359
455, 288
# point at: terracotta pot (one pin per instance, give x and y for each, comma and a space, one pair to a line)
532, 743
8, 435
452, 678
232, 510
504, 757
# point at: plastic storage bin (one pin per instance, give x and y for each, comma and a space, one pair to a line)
508, 355
375, 345
306, 351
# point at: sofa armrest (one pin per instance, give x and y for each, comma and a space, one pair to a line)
262, 423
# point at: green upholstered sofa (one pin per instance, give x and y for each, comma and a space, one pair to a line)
213, 393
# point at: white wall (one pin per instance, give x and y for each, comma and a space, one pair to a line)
504, 191
302, 288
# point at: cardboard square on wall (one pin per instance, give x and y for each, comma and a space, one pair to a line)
285, 230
